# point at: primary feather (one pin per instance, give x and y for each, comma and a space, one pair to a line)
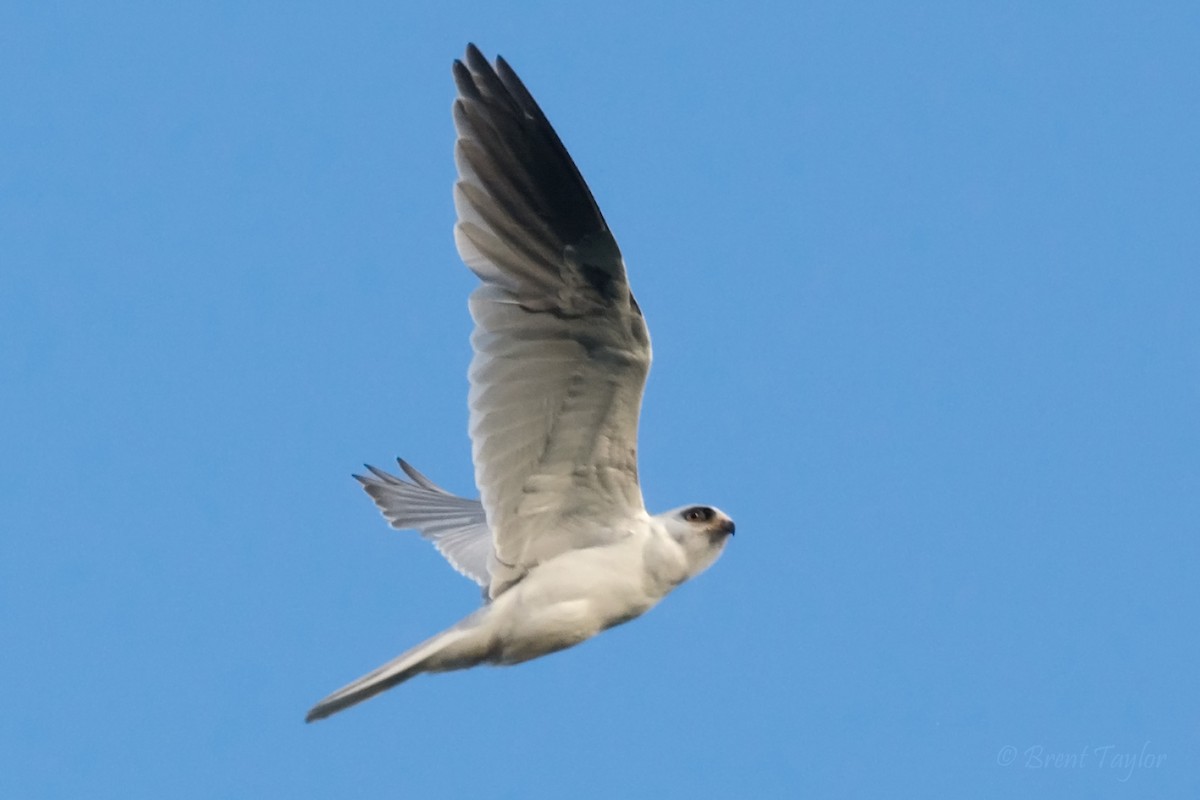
561, 349
456, 526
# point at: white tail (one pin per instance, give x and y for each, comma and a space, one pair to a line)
461, 646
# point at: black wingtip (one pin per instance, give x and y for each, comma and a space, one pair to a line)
476, 59
411, 471
379, 477
464, 81
383, 476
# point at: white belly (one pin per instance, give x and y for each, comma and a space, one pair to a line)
571, 598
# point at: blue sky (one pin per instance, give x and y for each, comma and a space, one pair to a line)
922, 281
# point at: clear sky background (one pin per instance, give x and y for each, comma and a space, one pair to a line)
923, 283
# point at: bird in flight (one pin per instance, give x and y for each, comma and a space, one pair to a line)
560, 539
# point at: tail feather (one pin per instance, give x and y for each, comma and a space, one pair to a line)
455, 648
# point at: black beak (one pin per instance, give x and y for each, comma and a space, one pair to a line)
727, 526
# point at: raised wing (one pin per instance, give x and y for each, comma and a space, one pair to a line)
561, 349
456, 526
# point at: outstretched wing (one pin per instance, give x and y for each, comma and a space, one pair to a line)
561, 349
455, 525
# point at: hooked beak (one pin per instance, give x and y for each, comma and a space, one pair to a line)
727, 526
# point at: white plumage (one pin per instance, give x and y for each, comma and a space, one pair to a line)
560, 539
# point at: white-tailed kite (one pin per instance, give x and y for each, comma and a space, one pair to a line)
560, 539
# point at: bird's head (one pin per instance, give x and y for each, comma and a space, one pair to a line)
702, 532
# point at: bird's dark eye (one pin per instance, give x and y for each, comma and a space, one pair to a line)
698, 514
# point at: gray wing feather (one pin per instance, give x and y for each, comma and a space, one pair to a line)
456, 526
561, 349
